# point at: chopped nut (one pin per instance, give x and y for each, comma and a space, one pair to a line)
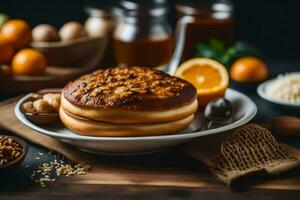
42, 106
46, 171
36, 96
53, 99
122, 86
9, 150
28, 107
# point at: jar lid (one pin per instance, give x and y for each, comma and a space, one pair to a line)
189, 7
96, 12
99, 8
132, 8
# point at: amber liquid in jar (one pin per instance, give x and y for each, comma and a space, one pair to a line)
152, 52
202, 30
206, 22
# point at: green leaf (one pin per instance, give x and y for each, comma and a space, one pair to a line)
239, 49
204, 50
217, 50
217, 45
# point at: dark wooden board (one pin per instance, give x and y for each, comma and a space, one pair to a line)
165, 175
53, 78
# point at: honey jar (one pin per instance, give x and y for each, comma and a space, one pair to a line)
204, 20
143, 35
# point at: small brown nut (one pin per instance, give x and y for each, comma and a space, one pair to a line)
36, 96
71, 31
42, 106
53, 99
45, 33
28, 107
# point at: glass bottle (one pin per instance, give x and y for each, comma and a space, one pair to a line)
100, 23
143, 34
204, 20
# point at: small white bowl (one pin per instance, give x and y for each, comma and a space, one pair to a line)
262, 92
244, 110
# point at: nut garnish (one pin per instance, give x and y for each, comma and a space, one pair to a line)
48, 172
47, 103
9, 150
28, 107
53, 100
42, 106
127, 86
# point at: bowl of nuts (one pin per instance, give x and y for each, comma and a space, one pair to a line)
12, 152
42, 107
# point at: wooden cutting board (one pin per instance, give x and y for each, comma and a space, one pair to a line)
169, 174
54, 77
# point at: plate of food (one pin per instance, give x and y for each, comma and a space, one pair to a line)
283, 90
128, 110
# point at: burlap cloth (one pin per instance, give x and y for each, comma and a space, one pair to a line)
248, 150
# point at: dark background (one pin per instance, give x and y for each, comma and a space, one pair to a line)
271, 25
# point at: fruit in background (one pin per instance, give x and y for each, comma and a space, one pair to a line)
6, 50
71, 31
18, 32
28, 62
208, 76
216, 49
45, 33
249, 70
3, 19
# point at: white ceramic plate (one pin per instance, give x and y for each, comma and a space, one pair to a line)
243, 111
262, 92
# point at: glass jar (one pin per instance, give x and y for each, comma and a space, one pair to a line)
143, 34
100, 23
205, 19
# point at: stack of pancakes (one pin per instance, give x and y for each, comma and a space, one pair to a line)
128, 101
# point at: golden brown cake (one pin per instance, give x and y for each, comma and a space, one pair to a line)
128, 95
87, 127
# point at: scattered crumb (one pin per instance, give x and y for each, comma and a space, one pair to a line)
47, 172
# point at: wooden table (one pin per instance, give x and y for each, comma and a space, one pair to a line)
165, 175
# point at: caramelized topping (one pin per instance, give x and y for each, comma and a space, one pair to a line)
125, 86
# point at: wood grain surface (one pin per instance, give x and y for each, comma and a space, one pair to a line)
169, 174
165, 175
54, 77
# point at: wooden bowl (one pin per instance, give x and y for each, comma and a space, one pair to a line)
17, 162
72, 53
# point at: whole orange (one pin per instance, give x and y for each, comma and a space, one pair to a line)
18, 32
249, 70
6, 50
28, 62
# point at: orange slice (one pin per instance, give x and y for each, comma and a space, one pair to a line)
208, 76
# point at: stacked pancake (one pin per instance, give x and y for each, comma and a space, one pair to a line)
128, 101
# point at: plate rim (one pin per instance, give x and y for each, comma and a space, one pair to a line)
246, 118
261, 91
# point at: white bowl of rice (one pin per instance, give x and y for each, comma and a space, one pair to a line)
284, 90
